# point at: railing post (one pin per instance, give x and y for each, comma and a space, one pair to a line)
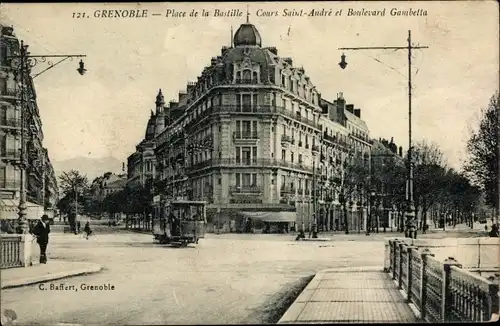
425, 254
402, 252
410, 270
494, 304
388, 256
446, 299
395, 266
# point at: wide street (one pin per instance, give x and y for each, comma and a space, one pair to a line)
225, 279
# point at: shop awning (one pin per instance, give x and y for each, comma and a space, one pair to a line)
272, 216
8, 210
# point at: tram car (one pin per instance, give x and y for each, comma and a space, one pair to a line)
181, 223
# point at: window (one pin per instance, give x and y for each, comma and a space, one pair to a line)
283, 154
254, 179
283, 181
238, 156
254, 127
300, 158
291, 157
237, 179
246, 103
246, 154
247, 75
254, 154
246, 179
283, 80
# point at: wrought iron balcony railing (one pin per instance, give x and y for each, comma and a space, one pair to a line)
245, 135
10, 153
10, 184
247, 162
246, 189
11, 122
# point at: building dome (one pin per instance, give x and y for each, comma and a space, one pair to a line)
247, 34
150, 129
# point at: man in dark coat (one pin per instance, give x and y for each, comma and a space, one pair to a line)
41, 231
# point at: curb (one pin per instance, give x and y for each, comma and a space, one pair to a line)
314, 239
51, 277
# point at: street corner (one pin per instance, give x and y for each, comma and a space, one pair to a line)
54, 270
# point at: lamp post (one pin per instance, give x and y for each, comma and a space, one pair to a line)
410, 213
21, 64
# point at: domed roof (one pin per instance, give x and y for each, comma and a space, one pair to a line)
150, 129
247, 34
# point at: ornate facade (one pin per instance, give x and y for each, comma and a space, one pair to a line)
249, 137
41, 183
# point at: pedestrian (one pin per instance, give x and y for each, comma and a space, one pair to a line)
87, 230
41, 231
78, 227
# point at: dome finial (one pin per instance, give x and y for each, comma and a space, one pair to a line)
248, 15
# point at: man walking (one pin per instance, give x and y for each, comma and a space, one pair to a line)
41, 231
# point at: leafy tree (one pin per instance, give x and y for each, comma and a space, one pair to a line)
482, 147
72, 184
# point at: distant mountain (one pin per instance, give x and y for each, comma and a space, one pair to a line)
92, 167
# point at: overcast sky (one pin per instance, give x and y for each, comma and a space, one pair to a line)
104, 113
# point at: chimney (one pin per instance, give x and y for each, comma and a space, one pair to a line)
190, 87
401, 151
350, 108
173, 104
357, 112
213, 62
182, 96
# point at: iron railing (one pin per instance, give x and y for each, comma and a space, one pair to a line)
443, 291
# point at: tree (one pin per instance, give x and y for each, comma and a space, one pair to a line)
72, 183
429, 177
482, 147
353, 183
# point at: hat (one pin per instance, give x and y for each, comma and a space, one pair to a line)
45, 217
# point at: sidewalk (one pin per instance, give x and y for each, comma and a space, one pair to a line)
350, 295
53, 270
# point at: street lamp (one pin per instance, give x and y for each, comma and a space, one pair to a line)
410, 214
22, 64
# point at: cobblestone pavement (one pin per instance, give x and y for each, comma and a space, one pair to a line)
222, 280
368, 296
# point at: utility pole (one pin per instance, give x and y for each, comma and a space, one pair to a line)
315, 222
411, 228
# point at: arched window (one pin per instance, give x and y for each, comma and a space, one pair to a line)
247, 75
255, 77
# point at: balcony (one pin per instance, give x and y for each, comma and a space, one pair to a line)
256, 190
10, 184
246, 162
287, 190
246, 81
11, 122
286, 140
297, 117
245, 137
315, 149
10, 153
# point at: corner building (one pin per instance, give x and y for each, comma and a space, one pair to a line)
247, 138
40, 180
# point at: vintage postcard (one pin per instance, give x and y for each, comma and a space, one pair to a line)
249, 162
